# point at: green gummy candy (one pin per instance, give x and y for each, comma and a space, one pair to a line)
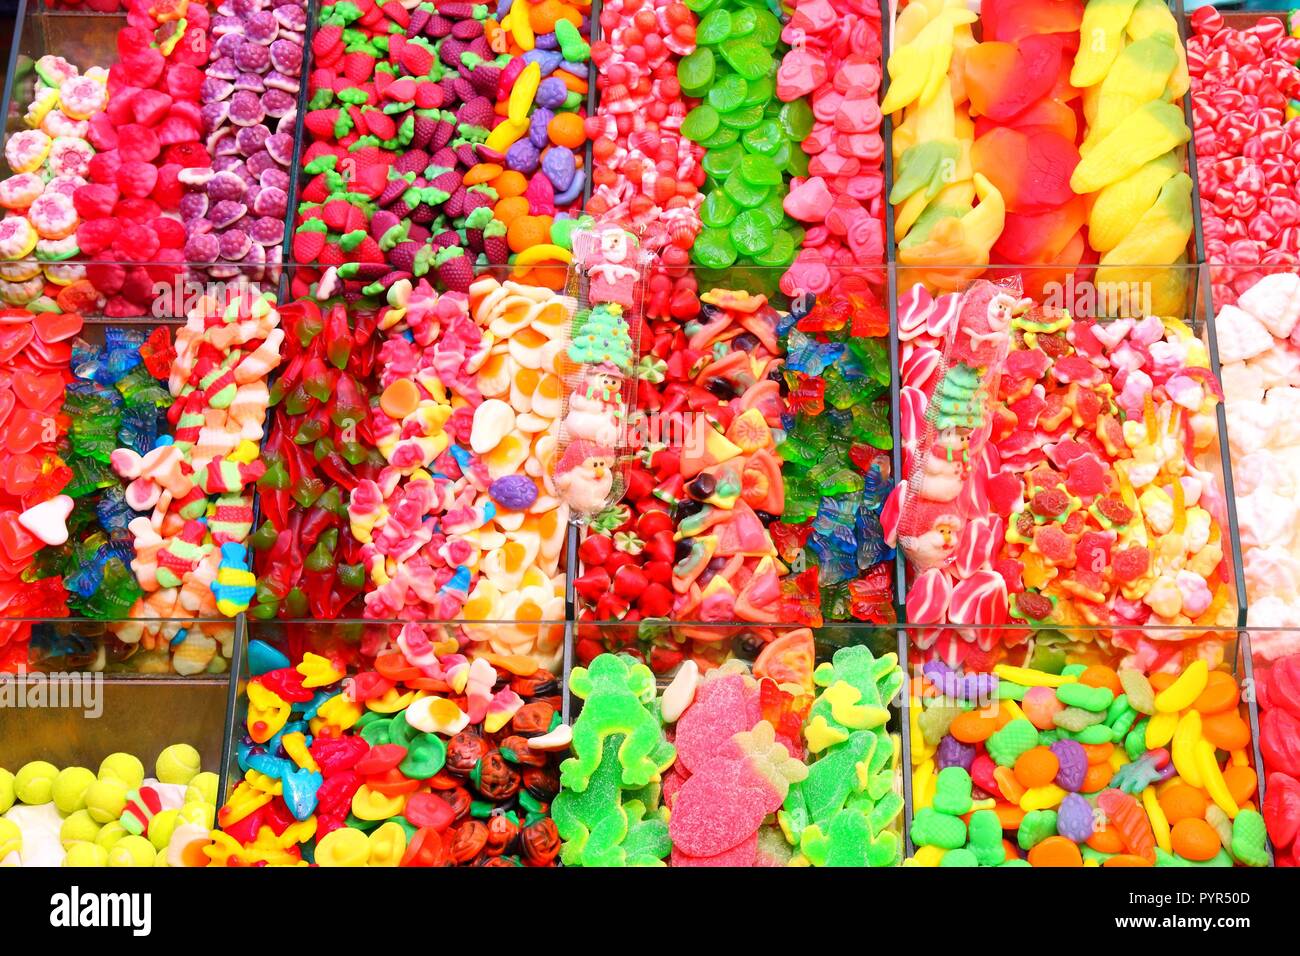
759, 170
931, 828
1095, 735
952, 791
743, 22
721, 163
1121, 725
935, 721
781, 253
1135, 744
1118, 708
699, 6
700, 123
375, 733
715, 28
728, 94
1073, 670
760, 92
747, 58
959, 857
751, 233
744, 192
713, 249
765, 138
724, 136
1009, 691
767, 28
1076, 719
1249, 838
1036, 827
1085, 697
717, 211
1017, 862
1005, 745
695, 72
746, 117
986, 838
797, 164
796, 119
425, 756
773, 209
1220, 859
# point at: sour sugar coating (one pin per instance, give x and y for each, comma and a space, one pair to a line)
1072, 764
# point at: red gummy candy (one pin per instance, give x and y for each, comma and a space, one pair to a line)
1031, 170
136, 179
138, 142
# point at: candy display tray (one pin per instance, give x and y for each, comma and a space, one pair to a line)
87, 39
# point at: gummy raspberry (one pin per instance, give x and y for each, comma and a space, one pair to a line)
136, 243
137, 210
103, 167
102, 133
93, 237
1131, 563
1050, 503
170, 232
188, 155
107, 277
148, 107
184, 81
136, 179
138, 142
94, 200
1114, 510
169, 189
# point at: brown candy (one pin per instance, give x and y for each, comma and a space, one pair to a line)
540, 842
502, 831
464, 751
533, 719
516, 750
497, 780
468, 841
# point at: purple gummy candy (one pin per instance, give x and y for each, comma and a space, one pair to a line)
275, 80
202, 247
235, 244
271, 202
223, 68
251, 139
268, 230
246, 109
1074, 818
226, 212
1073, 761
559, 166
971, 687
291, 17
286, 56
214, 115
193, 206
551, 93
278, 103
214, 89
261, 27
513, 492
280, 146
522, 156
274, 178
953, 753
227, 43
229, 162
222, 143
226, 185
223, 24
546, 41
547, 60
260, 162
251, 82
252, 57
537, 134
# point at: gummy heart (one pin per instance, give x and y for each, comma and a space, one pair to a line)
13, 338
39, 392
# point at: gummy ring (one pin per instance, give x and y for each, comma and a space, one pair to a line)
19, 271
17, 236
19, 192
54, 216
82, 96
65, 273
42, 104
57, 250
26, 150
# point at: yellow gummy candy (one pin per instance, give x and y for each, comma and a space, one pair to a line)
1154, 16
317, 671
1100, 40
1189, 685
370, 804
1143, 135
523, 92
1027, 677
1159, 235
505, 134
1156, 816
1183, 747
343, 847
1212, 777
1139, 76
1160, 730
387, 845
1122, 203
1041, 798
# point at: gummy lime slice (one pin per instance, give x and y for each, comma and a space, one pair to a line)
747, 58
713, 249
700, 123
760, 91
765, 138
725, 136
719, 163
745, 193
695, 72
760, 170
699, 6
773, 209
797, 165
767, 28
728, 94
717, 211
751, 233
747, 117
796, 119
780, 253
743, 22
796, 235
783, 153
714, 28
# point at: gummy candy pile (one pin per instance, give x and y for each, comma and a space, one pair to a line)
786, 765
1088, 505
1067, 764
426, 758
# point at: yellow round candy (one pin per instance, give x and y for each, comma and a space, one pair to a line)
343, 847
387, 845
369, 804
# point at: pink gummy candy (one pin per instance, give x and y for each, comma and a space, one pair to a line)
723, 707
